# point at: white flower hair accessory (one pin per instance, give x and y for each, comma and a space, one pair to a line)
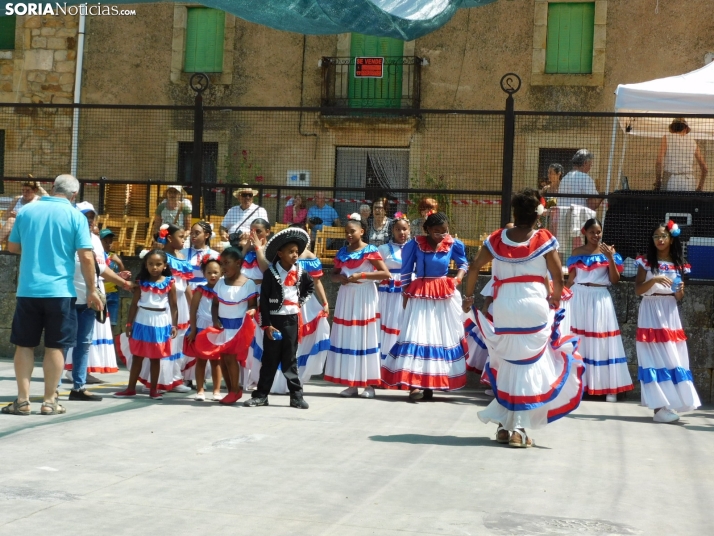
540, 210
354, 217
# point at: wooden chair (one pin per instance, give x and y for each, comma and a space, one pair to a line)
474, 244
321, 241
276, 227
149, 239
118, 227
131, 226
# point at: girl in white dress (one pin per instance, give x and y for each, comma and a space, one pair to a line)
353, 359
536, 374
592, 269
662, 356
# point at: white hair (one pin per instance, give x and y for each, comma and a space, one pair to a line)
66, 185
364, 207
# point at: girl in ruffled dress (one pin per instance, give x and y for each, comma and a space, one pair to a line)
662, 356
233, 308
534, 372
431, 349
592, 269
353, 358
391, 308
201, 317
152, 320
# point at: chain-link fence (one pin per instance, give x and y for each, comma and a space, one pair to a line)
641, 170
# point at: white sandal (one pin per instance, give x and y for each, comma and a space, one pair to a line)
525, 441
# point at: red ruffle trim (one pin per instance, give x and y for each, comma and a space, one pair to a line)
443, 247
423, 381
539, 240
441, 288
595, 334
239, 345
155, 290
311, 326
150, 350
660, 335
585, 268
351, 264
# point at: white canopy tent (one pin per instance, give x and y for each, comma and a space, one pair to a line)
684, 94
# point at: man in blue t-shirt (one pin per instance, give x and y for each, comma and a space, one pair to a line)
47, 234
326, 213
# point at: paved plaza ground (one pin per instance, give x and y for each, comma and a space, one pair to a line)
346, 467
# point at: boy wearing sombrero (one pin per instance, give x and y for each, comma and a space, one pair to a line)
285, 288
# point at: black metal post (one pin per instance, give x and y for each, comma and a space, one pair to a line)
199, 83
510, 84
102, 189
277, 206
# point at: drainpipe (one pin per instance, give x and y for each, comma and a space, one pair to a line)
77, 94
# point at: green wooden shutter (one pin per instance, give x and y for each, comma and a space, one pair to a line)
569, 47
7, 32
385, 92
204, 40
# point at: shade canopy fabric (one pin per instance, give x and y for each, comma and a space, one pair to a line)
401, 19
688, 94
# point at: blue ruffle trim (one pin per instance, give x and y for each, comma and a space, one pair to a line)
158, 286
179, 267
660, 375
310, 265
345, 255
589, 260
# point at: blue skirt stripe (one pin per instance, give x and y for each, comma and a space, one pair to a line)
99, 342
231, 323
257, 350
604, 362
675, 375
152, 334
427, 353
320, 346
519, 331
348, 351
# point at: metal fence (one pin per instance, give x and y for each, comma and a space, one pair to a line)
469, 161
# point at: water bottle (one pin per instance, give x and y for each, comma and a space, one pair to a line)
676, 282
277, 336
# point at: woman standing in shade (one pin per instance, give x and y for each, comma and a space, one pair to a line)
592, 269
534, 372
662, 356
430, 352
353, 358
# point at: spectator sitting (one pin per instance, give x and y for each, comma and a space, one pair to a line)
48, 234
425, 205
677, 153
578, 181
365, 212
30, 189
240, 217
174, 210
295, 211
326, 213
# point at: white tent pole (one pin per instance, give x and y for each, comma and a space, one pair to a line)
609, 164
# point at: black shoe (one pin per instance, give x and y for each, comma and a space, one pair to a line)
428, 394
298, 402
84, 396
256, 401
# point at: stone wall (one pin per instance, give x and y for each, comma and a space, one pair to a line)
696, 310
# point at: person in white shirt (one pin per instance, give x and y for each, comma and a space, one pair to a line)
578, 181
675, 160
240, 217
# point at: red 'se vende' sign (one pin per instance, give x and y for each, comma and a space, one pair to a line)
369, 67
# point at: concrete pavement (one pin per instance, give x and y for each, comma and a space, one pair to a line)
347, 467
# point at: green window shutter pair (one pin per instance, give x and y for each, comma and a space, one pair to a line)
204, 40
385, 92
7, 32
569, 48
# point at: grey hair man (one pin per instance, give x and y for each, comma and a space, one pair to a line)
47, 235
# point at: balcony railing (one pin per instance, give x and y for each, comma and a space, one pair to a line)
398, 86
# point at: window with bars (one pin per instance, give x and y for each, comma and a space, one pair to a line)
569, 46
7, 32
205, 30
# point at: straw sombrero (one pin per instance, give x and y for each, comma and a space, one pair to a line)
293, 235
244, 188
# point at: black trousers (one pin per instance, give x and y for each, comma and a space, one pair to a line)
283, 353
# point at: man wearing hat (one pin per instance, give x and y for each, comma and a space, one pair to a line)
285, 288
675, 160
85, 314
241, 216
173, 209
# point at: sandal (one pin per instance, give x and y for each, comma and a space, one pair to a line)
17, 408
416, 394
520, 439
52, 408
502, 435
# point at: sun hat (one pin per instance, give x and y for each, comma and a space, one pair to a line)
176, 187
286, 236
244, 189
85, 206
